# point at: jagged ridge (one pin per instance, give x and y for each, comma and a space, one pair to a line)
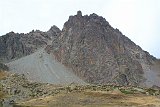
99, 53
91, 47
15, 45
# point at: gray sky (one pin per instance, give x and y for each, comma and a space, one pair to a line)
137, 19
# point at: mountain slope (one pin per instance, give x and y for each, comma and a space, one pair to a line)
152, 74
87, 45
100, 54
42, 67
15, 45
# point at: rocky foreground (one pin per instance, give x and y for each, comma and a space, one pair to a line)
18, 91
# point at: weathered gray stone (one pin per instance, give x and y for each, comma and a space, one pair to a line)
98, 53
15, 45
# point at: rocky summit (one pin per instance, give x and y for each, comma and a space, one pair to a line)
100, 54
89, 47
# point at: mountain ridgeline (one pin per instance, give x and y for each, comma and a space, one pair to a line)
90, 48
14, 45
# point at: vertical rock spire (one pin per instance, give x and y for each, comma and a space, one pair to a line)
79, 13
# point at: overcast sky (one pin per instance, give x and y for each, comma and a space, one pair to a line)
137, 19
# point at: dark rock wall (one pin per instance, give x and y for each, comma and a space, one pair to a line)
95, 51
14, 45
98, 53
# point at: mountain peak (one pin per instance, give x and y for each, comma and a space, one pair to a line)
54, 29
100, 54
92, 48
80, 20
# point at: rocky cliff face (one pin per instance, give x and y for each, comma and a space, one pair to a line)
92, 48
14, 45
100, 54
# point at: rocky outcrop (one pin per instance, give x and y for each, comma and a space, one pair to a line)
92, 48
100, 54
21, 92
14, 45
18, 88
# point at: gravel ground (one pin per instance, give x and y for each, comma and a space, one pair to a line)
42, 67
